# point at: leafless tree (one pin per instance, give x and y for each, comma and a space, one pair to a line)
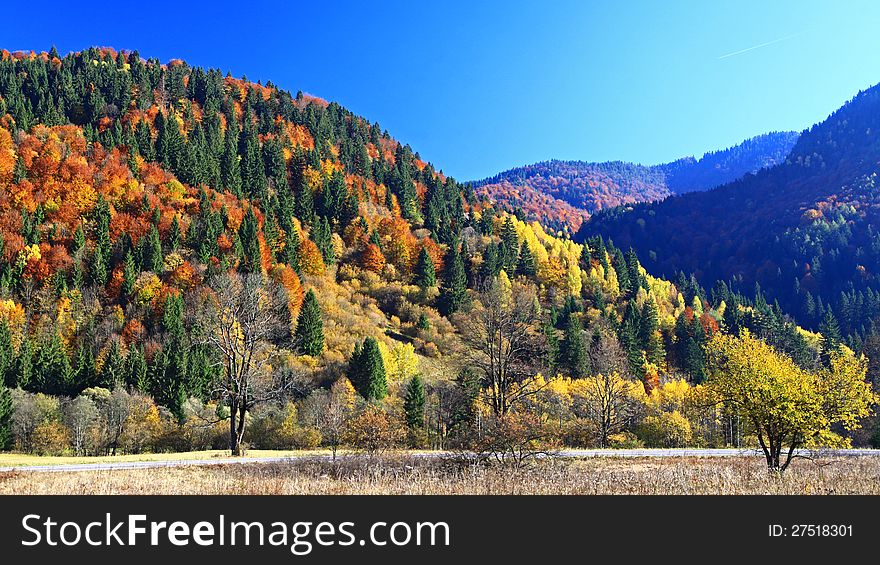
244, 318
501, 331
80, 415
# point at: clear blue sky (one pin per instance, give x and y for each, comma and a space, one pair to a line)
479, 87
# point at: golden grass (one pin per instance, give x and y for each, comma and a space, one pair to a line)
25, 460
406, 475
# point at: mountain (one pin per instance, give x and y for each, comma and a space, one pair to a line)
562, 194
804, 230
192, 248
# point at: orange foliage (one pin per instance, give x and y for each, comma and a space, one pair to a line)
372, 258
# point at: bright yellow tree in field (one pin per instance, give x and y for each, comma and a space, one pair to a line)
785, 406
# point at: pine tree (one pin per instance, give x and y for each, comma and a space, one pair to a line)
414, 411
310, 327
573, 350
830, 330
453, 291
113, 369
136, 370
509, 250
169, 141
99, 269
22, 369
86, 374
5, 419
153, 260
425, 276
323, 238
230, 167
129, 275
7, 356
526, 265
649, 332
248, 234
367, 370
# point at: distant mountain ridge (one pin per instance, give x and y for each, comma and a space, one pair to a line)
805, 230
562, 194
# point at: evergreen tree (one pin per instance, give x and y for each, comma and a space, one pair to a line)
367, 370
7, 356
649, 332
310, 327
830, 330
136, 370
113, 370
453, 291
509, 250
248, 235
425, 275
51, 367
573, 350
230, 167
22, 370
169, 141
129, 275
153, 260
526, 265
323, 238
414, 411
86, 374
5, 419
99, 269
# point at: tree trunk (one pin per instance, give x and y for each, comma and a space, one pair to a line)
234, 447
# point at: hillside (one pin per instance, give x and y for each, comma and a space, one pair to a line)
190, 260
562, 194
805, 230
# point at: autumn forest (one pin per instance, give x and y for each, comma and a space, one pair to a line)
194, 261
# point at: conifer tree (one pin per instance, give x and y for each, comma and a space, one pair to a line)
425, 276
5, 419
367, 370
649, 332
309, 334
526, 265
453, 291
573, 350
414, 411
7, 356
153, 260
248, 235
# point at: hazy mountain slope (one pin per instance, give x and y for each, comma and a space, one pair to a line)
563, 193
805, 229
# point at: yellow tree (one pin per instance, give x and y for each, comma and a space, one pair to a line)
785, 406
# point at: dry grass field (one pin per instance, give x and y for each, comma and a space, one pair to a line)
401, 475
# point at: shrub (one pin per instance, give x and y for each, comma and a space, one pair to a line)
50, 438
666, 429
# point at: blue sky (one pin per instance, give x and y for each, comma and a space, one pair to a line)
479, 87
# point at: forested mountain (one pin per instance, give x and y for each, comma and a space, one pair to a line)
189, 259
564, 193
805, 230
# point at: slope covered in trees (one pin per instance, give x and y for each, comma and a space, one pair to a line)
805, 230
190, 260
564, 193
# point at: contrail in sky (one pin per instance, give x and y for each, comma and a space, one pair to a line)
753, 47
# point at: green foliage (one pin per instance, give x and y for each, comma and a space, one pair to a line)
366, 370
425, 275
309, 334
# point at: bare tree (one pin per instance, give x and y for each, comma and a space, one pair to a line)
505, 344
80, 415
244, 318
611, 402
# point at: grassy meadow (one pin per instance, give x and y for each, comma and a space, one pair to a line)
409, 475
